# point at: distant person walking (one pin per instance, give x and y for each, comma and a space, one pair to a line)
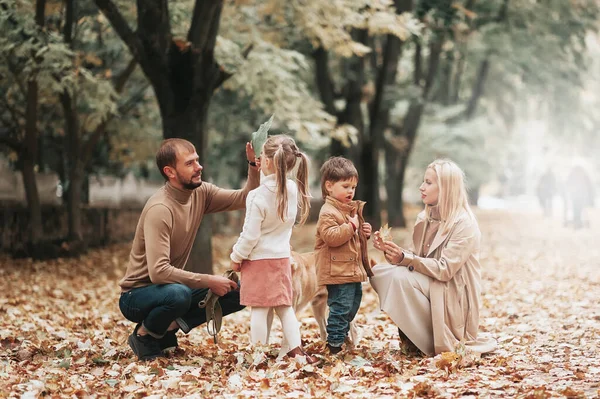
579, 195
545, 191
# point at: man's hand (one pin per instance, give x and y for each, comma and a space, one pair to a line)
367, 229
221, 285
251, 156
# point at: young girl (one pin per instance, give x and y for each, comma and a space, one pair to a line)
262, 252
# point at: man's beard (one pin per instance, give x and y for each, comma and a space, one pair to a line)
188, 185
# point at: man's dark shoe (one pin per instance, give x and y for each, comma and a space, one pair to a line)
145, 347
334, 349
169, 341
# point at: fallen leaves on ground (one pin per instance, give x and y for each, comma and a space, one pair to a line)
62, 335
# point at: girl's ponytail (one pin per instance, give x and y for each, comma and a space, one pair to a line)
302, 182
281, 173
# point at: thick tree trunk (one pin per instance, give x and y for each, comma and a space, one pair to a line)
183, 74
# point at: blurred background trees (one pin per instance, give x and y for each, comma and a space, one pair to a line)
90, 87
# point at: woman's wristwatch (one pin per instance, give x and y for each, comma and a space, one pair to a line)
251, 163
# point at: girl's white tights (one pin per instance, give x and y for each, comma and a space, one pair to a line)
260, 325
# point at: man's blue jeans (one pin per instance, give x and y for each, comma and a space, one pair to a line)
156, 306
344, 302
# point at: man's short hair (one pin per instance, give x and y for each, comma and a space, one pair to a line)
167, 153
337, 169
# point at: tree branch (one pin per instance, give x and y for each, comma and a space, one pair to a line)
223, 75
10, 142
131, 102
13, 69
205, 24
91, 142
69, 20
120, 25
120, 81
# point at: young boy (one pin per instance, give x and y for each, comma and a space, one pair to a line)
341, 248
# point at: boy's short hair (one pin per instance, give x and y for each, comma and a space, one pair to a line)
337, 169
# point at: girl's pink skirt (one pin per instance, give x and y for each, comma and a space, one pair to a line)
266, 282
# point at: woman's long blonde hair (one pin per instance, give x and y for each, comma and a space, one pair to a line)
284, 152
452, 197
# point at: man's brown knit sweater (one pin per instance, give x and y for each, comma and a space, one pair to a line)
167, 228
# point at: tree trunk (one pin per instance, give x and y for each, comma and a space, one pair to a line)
396, 164
323, 79
183, 74
75, 171
353, 115
473, 194
457, 79
30, 151
379, 120
73, 145
482, 74
443, 88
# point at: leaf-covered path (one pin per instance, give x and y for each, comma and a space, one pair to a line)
61, 333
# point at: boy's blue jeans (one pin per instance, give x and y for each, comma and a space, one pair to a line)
344, 301
156, 306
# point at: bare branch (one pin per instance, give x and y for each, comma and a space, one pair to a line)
124, 76
15, 72
223, 76
10, 142
120, 25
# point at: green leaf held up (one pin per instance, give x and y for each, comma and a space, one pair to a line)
260, 136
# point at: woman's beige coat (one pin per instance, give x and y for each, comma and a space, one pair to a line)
452, 263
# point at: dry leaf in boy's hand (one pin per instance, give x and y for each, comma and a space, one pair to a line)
386, 233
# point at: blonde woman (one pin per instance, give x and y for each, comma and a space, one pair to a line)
433, 292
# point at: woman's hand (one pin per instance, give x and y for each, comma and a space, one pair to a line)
393, 253
378, 241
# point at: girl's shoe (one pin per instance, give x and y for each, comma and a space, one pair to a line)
298, 351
